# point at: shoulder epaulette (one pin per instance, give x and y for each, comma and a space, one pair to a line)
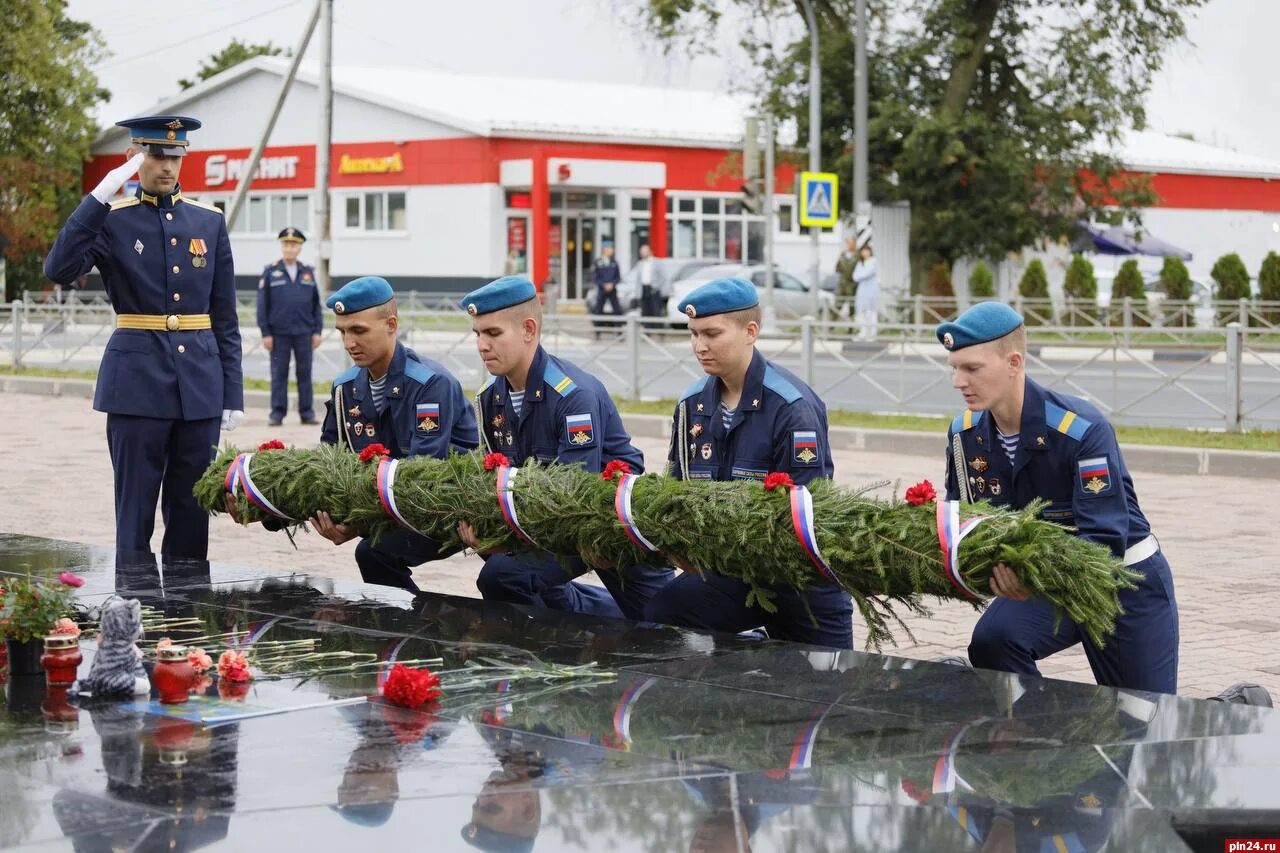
780, 385
121, 204
559, 382
202, 204
1066, 422
417, 371
966, 419
695, 388
488, 383
346, 375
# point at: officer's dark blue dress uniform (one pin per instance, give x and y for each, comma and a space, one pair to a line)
606, 271
289, 312
779, 425
1068, 455
556, 391
425, 413
172, 366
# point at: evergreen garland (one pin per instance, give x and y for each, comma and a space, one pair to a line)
885, 554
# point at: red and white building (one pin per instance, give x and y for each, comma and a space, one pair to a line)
441, 181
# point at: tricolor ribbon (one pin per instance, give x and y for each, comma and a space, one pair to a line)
388, 659
502, 708
950, 534
232, 480
254, 633
252, 492
802, 521
622, 713
386, 491
507, 500
802, 749
622, 506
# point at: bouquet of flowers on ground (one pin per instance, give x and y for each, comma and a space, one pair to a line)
32, 608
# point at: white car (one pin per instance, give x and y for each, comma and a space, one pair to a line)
791, 297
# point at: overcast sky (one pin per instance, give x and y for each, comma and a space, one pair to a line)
1222, 86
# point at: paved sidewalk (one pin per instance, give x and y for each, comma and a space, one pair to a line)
1212, 528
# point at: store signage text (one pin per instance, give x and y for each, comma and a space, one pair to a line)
349, 165
219, 169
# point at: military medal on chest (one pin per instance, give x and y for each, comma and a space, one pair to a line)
978, 463
198, 252
706, 450
695, 430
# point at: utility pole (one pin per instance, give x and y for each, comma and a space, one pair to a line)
323, 213
815, 140
251, 170
770, 314
861, 204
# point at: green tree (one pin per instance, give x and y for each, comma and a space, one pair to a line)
229, 57
47, 98
982, 284
984, 114
1175, 281
939, 288
1232, 281
1269, 285
1034, 285
1129, 285
1081, 290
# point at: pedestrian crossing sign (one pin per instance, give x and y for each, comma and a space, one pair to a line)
818, 199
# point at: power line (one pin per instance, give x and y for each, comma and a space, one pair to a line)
202, 35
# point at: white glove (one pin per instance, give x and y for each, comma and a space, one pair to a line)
117, 178
231, 419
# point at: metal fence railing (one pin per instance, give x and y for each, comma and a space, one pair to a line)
1224, 377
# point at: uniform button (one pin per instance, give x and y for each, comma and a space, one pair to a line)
173, 241
175, 269
177, 297
181, 348
169, 216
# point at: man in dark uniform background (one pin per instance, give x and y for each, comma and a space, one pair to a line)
291, 323
605, 275
170, 376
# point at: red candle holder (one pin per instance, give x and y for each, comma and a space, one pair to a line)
60, 716
61, 659
174, 675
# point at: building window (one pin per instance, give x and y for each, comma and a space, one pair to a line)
639, 204
784, 217
376, 211
715, 227
269, 214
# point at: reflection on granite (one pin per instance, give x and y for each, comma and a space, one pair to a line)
699, 742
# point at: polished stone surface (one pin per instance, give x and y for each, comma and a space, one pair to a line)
698, 742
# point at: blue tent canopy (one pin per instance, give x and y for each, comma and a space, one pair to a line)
1118, 240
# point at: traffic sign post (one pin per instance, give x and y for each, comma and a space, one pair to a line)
818, 200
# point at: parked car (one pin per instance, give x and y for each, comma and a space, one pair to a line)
791, 296
666, 271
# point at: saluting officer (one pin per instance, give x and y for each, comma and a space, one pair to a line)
542, 407
745, 419
170, 375
291, 323
410, 404
1018, 442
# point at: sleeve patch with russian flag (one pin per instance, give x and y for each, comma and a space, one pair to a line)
1095, 475
804, 447
581, 430
428, 417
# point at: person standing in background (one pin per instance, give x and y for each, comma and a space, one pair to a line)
290, 320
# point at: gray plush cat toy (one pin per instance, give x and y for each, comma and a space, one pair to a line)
117, 665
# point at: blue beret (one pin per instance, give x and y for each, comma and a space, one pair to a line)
984, 322
164, 136
365, 814
720, 297
494, 841
291, 235
360, 294
496, 295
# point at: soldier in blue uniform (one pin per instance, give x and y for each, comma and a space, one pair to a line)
537, 406
409, 404
745, 419
1018, 442
606, 275
291, 323
170, 376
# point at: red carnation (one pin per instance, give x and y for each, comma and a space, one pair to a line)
921, 493
411, 687
71, 580
776, 479
373, 451
233, 666
273, 444
614, 468
494, 460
